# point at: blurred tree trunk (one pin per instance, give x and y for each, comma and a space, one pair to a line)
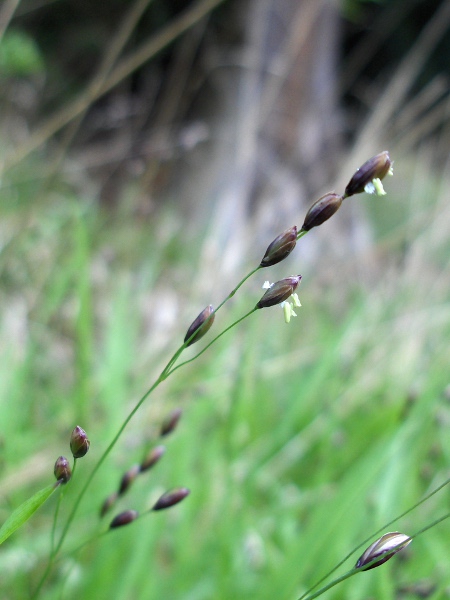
276, 130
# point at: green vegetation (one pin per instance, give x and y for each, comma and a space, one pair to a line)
297, 441
141, 158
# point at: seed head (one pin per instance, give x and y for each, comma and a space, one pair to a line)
170, 498
62, 469
279, 291
281, 247
152, 458
322, 210
385, 548
108, 504
200, 325
79, 443
128, 479
124, 518
171, 422
368, 177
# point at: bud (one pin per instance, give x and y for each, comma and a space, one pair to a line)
281, 247
170, 498
376, 168
322, 210
124, 518
152, 458
279, 292
171, 422
201, 325
79, 443
108, 504
385, 548
128, 479
62, 469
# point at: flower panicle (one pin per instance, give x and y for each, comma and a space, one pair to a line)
62, 469
108, 504
369, 175
152, 458
171, 498
200, 326
79, 443
382, 549
322, 210
124, 518
171, 422
280, 248
128, 478
279, 291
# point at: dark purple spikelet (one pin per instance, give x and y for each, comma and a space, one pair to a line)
279, 292
108, 504
171, 422
79, 443
171, 498
280, 248
124, 518
201, 325
322, 210
152, 458
128, 478
384, 548
62, 469
376, 167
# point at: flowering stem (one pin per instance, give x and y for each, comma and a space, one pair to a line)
232, 293
55, 519
163, 375
174, 358
374, 534
167, 370
212, 341
377, 558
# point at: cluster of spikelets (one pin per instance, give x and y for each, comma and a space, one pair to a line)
366, 179
167, 500
79, 446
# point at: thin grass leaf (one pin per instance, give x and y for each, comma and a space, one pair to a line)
25, 511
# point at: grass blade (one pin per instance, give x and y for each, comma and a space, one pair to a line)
25, 511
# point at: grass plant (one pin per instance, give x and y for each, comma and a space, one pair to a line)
298, 442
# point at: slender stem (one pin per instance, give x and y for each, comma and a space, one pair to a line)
355, 570
101, 534
167, 370
53, 534
55, 519
232, 293
430, 525
332, 584
163, 375
375, 533
212, 341
103, 458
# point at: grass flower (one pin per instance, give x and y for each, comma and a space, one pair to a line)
383, 549
288, 304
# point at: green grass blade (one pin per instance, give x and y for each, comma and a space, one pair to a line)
25, 511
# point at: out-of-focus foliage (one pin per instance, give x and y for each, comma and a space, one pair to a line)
19, 55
